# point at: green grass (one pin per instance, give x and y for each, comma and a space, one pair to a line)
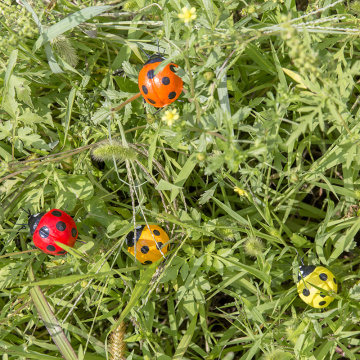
262, 162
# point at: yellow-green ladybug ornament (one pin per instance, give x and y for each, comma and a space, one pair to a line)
322, 278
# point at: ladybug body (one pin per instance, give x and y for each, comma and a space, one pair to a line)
161, 89
148, 249
55, 225
322, 278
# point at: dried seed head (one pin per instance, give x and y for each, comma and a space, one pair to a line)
113, 149
225, 230
117, 345
65, 49
276, 354
253, 246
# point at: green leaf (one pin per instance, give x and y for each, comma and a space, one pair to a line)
68, 112
69, 23
152, 149
185, 340
138, 292
55, 68
250, 269
164, 185
183, 175
50, 321
260, 58
223, 94
296, 77
80, 186
207, 195
278, 67
231, 212
70, 279
30, 118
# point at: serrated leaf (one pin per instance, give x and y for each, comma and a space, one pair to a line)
23, 90
100, 115
207, 195
30, 118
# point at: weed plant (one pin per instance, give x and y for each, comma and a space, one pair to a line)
258, 161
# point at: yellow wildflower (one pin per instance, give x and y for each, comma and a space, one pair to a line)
170, 116
239, 191
187, 15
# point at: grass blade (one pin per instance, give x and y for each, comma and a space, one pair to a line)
185, 340
68, 23
68, 112
50, 321
139, 291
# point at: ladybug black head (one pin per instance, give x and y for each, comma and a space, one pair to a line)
130, 238
33, 222
154, 59
305, 270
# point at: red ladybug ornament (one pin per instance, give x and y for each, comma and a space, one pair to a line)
55, 225
161, 89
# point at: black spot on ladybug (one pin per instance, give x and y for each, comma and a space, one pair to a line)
51, 248
44, 232
60, 225
165, 80
144, 89
56, 213
73, 232
156, 232
172, 68
321, 303
145, 249
147, 262
150, 74
306, 292
323, 276
322, 295
172, 95
159, 245
151, 101
62, 252
334, 280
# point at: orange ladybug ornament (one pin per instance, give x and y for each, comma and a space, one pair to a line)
148, 249
161, 89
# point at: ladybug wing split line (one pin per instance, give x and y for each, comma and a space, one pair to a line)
312, 277
149, 244
164, 87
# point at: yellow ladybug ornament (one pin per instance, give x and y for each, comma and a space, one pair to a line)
322, 278
148, 249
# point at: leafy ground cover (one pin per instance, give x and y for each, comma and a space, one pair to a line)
258, 161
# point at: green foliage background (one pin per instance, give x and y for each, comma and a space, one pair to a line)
270, 110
